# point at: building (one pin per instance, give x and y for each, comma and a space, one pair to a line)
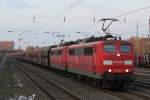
141, 48
141, 45
7, 45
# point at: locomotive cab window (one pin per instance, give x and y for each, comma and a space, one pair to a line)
55, 52
125, 48
52, 52
71, 51
78, 51
59, 52
88, 51
109, 48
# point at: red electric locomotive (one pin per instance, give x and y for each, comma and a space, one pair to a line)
96, 59
58, 57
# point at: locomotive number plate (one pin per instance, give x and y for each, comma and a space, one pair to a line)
117, 70
118, 62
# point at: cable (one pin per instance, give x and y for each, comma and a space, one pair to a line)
57, 16
124, 14
60, 14
131, 26
85, 26
131, 12
98, 6
69, 9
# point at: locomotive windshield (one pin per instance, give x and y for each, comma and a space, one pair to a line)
125, 48
109, 48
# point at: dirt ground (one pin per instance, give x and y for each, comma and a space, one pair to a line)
14, 85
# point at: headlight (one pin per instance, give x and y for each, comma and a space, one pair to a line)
109, 70
107, 62
128, 62
127, 70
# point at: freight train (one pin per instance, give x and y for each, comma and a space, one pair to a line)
106, 59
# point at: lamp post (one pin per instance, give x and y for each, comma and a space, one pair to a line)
149, 28
19, 38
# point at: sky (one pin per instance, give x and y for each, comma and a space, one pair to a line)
41, 22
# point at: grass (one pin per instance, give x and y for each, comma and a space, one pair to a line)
7, 82
1, 57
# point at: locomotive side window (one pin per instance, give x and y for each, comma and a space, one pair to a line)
78, 51
125, 48
55, 52
59, 52
71, 51
88, 51
110, 48
52, 52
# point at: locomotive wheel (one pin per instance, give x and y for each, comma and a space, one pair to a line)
106, 84
82, 78
117, 84
121, 84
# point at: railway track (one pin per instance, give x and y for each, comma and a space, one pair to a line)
139, 94
141, 84
125, 95
143, 70
84, 92
53, 90
129, 93
142, 77
143, 74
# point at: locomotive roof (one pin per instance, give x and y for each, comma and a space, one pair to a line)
82, 42
59, 47
90, 39
91, 43
99, 42
115, 41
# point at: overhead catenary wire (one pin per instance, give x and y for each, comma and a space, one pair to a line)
86, 26
133, 11
76, 3
60, 14
142, 24
98, 6
121, 15
89, 25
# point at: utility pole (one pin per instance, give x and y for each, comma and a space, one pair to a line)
137, 30
148, 56
149, 28
36, 42
137, 44
19, 41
